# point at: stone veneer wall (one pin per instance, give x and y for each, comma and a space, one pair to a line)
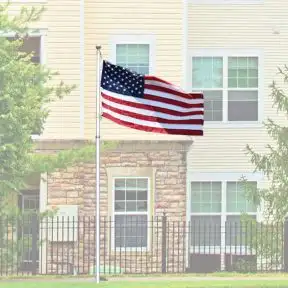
76, 186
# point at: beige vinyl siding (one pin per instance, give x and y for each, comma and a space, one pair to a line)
63, 55
248, 27
107, 19
61, 26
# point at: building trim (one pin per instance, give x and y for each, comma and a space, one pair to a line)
135, 38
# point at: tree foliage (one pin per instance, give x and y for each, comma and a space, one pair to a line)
274, 163
25, 94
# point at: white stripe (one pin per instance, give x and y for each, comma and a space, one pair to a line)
173, 97
153, 124
150, 102
150, 113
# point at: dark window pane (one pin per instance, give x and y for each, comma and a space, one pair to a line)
131, 183
238, 233
119, 206
142, 206
142, 183
205, 230
119, 183
142, 195
120, 195
131, 206
243, 106
131, 195
213, 106
134, 231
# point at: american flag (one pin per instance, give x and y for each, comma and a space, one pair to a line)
148, 103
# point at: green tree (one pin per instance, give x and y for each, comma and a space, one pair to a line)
25, 94
274, 163
26, 90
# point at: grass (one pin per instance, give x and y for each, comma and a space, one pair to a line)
146, 284
216, 274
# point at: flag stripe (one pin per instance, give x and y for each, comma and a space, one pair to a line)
154, 129
172, 97
172, 102
176, 93
134, 100
150, 118
151, 112
165, 85
154, 78
152, 124
119, 100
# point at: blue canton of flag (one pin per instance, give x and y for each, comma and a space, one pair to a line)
122, 81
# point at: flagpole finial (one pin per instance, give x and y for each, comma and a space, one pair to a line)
98, 47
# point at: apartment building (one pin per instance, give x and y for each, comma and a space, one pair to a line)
228, 49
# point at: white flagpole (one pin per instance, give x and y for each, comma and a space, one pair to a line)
97, 198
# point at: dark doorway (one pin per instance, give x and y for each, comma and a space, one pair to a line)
28, 230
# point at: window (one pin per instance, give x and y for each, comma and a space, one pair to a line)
133, 56
32, 45
230, 86
131, 201
206, 198
213, 203
236, 200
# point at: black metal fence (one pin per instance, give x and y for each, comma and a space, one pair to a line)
134, 244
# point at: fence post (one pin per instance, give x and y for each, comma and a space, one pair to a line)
164, 243
34, 247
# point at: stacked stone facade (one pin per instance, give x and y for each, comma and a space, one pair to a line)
76, 186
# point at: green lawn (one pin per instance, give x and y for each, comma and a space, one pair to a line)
156, 284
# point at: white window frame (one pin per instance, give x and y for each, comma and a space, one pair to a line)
135, 39
225, 53
148, 213
227, 2
42, 33
223, 178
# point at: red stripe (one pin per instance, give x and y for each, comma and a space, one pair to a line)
153, 129
152, 118
151, 108
174, 92
172, 102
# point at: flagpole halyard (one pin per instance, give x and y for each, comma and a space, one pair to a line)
97, 143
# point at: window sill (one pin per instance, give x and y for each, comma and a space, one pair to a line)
240, 125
